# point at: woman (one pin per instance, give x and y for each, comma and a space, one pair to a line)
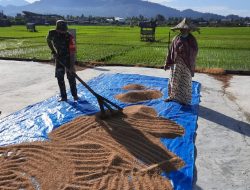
181, 61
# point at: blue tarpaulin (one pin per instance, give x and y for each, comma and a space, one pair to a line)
35, 122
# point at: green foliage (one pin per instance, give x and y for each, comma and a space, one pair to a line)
226, 48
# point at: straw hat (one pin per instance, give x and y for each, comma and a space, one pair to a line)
184, 24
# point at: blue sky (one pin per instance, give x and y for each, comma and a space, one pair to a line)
222, 7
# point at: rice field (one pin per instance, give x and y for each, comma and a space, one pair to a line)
227, 48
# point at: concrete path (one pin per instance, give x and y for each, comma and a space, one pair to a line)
223, 135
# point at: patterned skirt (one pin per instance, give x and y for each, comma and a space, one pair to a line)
180, 82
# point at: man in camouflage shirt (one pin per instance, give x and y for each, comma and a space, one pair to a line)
59, 41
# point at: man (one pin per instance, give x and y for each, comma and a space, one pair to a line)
181, 61
61, 44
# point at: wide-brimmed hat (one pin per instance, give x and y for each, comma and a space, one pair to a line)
185, 24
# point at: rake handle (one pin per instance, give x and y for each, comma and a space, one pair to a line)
99, 97
101, 100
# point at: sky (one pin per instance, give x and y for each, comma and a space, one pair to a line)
222, 7
31, 1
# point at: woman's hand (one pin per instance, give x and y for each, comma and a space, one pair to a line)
166, 67
180, 49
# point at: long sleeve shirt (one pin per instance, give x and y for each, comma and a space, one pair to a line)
186, 48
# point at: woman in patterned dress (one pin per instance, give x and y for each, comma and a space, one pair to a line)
181, 62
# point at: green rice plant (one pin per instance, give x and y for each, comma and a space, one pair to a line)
150, 56
102, 53
109, 35
27, 53
224, 58
225, 44
226, 48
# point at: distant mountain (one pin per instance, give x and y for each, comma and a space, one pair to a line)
232, 17
5, 3
195, 14
120, 8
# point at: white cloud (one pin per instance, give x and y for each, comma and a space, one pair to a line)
31, 1
163, 2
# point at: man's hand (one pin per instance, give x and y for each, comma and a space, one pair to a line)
54, 55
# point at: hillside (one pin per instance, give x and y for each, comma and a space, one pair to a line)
121, 8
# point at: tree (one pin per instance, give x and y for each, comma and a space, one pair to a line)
141, 18
160, 18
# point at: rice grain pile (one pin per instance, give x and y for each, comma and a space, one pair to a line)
138, 93
122, 152
134, 87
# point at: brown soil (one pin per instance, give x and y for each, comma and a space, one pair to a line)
123, 152
139, 96
215, 71
225, 79
134, 87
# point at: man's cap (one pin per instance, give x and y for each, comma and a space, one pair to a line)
61, 25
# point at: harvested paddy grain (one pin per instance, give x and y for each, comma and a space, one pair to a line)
140, 111
134, 87
139, 96
123, 152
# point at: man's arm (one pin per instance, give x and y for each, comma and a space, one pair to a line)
50, 43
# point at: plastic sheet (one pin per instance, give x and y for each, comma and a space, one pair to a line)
36, 121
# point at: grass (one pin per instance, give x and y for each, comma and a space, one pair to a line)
227, 48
